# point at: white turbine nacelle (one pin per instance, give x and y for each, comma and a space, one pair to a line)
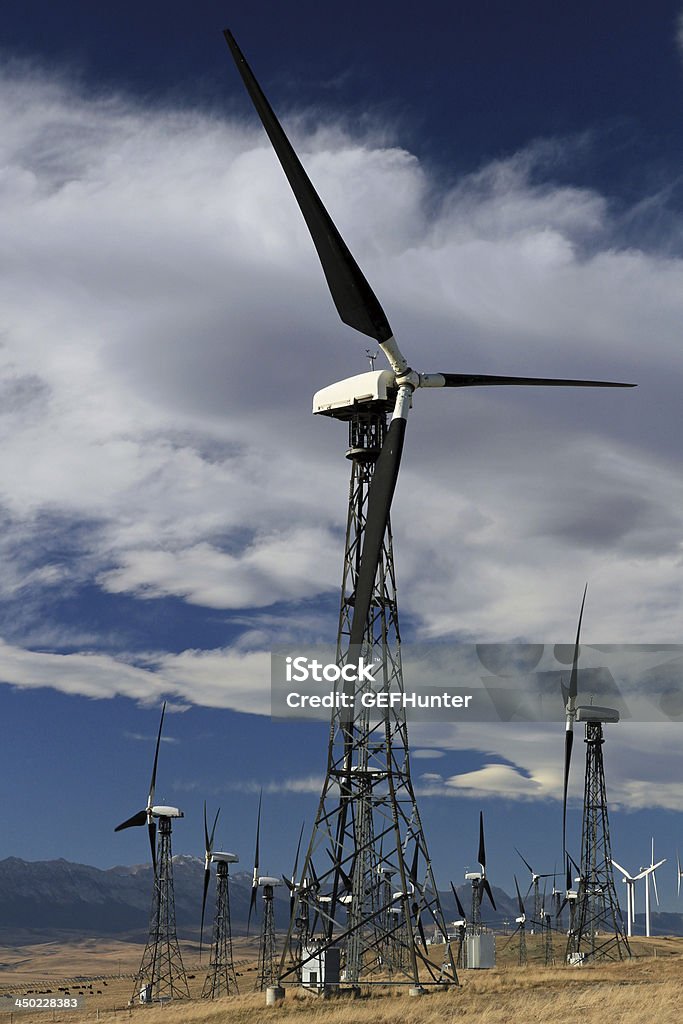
225, 858
473, 876
462, 923
269, 880
346, 899
364, 387
158, 811
592, 713
520, 920
373, 386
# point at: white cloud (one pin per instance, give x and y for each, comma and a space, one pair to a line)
164, 322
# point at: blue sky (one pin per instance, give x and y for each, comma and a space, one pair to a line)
508, 176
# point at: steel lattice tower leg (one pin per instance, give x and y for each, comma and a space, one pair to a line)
221, 979
548, 941
267, 966
161, 974
522, 957
368, 823
598, 931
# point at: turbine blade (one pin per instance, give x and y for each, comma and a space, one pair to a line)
213, 830
207, 844
412, 871
380, 494
298, 848
258, 836
468, 380
526, 862
623, 870
574, 678
355, 300
138, 819
255, 876
458, 904
568, 744
152, 831
678, 868
153, 781
207, 876
519, 895
418, 922
654, 883
487, 889
482, 847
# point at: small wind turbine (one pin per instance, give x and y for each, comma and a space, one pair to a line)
221, 978
480, 883
461, 925
520, 921
533, 884
267, 970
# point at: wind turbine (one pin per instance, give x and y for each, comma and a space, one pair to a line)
267, 970
630, 881
533, 884
355, 785
520, 921
221, 978
599, 931
480, 883
679, 875
461, 925
161, 974
646, 873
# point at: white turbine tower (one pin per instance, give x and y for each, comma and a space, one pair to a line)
630, 881
646, 873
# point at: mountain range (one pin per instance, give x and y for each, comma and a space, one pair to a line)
41, 901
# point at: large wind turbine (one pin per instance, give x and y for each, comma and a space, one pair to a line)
367, 796
359, 308
647, 873
630, 881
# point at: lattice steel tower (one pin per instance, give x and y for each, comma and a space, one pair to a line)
598, 931
267, 961
162, 974
374, 890
221, 979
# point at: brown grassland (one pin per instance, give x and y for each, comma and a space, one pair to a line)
644, 990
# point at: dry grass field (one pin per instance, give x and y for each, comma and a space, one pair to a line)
644, 990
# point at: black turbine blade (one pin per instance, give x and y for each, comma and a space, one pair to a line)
254, 882
355, 300
519, 897
570, 698
526, 862
486, 887
468, 380
152, 830
412, 871
418, 922
207, 875
482, 847
458, 903
153, 782
138, 819
380, 494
